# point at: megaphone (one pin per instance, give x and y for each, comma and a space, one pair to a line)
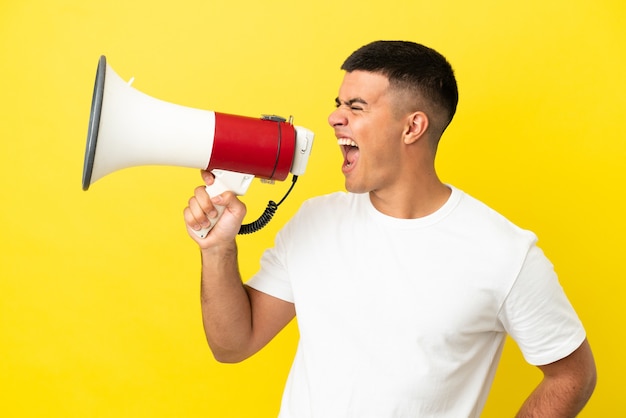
128, 128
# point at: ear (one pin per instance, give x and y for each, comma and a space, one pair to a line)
417, 124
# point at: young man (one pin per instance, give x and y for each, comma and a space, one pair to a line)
404, 287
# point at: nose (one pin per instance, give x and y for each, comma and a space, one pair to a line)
337, 118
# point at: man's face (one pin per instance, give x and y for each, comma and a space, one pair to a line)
368, 132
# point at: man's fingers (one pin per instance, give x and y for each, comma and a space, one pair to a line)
208, 177
204, 202
191, 220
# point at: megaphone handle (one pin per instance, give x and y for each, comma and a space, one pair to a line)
225, 181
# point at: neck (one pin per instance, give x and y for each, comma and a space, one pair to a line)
414, 200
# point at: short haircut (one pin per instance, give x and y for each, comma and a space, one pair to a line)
413, 67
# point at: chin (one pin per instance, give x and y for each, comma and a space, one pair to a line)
354, 188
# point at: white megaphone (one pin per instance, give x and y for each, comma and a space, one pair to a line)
128, 128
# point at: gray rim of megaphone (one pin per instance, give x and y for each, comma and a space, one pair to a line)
94, 122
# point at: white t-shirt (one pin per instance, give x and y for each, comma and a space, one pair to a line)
407, 318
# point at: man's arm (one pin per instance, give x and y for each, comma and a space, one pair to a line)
566, 387
238, 321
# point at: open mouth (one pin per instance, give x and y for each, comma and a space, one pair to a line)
350, 150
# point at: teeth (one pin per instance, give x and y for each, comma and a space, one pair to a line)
347, 141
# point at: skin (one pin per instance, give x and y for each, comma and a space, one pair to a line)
395, 164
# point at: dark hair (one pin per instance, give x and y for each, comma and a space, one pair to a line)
411, 66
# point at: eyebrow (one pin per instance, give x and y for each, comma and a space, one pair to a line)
351, 101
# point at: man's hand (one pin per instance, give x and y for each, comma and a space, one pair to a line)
202, 208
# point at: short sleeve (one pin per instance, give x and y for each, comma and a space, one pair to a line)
537, 314
273, 276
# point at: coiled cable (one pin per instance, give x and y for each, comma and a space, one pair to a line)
267, 215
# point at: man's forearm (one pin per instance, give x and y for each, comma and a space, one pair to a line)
566, 387
555, 400
226, 311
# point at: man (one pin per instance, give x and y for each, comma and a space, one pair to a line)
404, 287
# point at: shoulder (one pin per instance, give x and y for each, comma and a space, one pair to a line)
316, 215
335, 198
487, 235
335, 203
476, 214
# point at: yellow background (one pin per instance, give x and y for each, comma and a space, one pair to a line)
99, 306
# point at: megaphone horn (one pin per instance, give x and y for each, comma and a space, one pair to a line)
128, 128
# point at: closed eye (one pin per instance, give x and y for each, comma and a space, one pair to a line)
353, 104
